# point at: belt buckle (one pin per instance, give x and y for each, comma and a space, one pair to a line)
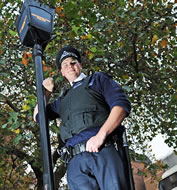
77, 149
82, 147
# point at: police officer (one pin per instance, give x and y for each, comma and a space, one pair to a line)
92, 111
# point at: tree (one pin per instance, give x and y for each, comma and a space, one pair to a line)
132, 41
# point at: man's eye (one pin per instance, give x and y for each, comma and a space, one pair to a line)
73, 63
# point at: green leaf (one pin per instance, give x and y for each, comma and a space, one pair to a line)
12, 33
4, 125
17, 139
93, 49
3, 61
75, 29
13, 117
3, 74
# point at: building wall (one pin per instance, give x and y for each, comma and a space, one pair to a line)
170, 160
147, 182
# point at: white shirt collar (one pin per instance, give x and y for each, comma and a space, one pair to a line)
80, 77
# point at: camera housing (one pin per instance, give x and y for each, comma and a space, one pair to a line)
35, 23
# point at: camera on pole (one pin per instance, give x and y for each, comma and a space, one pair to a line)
35, 23
35, 27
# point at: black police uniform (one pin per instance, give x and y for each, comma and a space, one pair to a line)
82, 109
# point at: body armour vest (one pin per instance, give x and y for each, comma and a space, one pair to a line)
81, 108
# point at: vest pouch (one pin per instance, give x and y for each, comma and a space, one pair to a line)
85, 118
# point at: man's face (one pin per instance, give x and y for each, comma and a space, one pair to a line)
70, 68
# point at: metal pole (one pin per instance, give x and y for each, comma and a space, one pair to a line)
48, 180
130, 174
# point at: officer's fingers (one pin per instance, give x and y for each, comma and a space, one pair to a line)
96, 148
48, 84
88, 147
91, 149
48, 81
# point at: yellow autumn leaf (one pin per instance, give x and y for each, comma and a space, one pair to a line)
163, 43
25, 107
46, 68
25, 55
62, 15
89, 36
58, 33
1, 52
17, 131
138, 57
59, 9
154, 39
27, 101
24, 61
121, 44
97, 68
125, 76
52, 73
83, 37
154, 54
91, 55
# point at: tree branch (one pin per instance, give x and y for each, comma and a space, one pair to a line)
22, 155
8, 102
135, 53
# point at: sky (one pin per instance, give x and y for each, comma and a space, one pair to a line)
159, 148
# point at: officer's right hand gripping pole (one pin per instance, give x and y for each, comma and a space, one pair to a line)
130, 174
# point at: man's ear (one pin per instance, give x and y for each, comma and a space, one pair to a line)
61, 72
80, 65
58, 71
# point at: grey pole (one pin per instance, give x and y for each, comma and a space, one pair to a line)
48, 179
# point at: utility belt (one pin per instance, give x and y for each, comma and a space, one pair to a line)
67, 153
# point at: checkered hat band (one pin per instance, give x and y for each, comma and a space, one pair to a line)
68, 54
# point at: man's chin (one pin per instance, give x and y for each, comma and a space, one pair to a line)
72, 76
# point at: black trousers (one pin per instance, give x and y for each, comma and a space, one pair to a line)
104, 170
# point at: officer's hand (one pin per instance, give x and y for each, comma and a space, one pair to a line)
48, 84
95, 142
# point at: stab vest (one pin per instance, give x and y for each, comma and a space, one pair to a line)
81, 108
